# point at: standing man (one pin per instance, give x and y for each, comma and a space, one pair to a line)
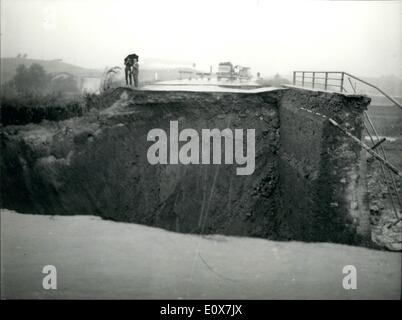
135, 71
128, 62
131, 69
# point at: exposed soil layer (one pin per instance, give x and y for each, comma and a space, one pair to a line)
322, 178
304, 186
385, 196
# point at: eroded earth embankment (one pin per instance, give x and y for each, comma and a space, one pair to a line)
307, 183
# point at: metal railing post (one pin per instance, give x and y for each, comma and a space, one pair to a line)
313, 79
342, 76
342, 82
375, 87
351, 84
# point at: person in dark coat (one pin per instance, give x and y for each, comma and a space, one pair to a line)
129, 62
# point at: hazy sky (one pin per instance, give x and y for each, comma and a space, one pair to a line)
364, 38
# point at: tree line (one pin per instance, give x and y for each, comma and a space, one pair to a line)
34, 80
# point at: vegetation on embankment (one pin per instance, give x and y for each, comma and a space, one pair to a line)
33, 96
24, 109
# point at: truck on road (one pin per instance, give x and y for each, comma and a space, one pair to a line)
226, 70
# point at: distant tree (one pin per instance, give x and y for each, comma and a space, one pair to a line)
64, 84
19, 55
32, 80
276, 81
25, 55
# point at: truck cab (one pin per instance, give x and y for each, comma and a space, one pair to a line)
225, 70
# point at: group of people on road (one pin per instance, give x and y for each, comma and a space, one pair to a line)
131, 69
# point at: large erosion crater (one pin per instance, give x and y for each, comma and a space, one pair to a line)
308, 183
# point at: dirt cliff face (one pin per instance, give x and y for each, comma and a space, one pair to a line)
322, 174
97, 164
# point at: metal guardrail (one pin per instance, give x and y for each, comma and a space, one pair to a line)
333, 79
